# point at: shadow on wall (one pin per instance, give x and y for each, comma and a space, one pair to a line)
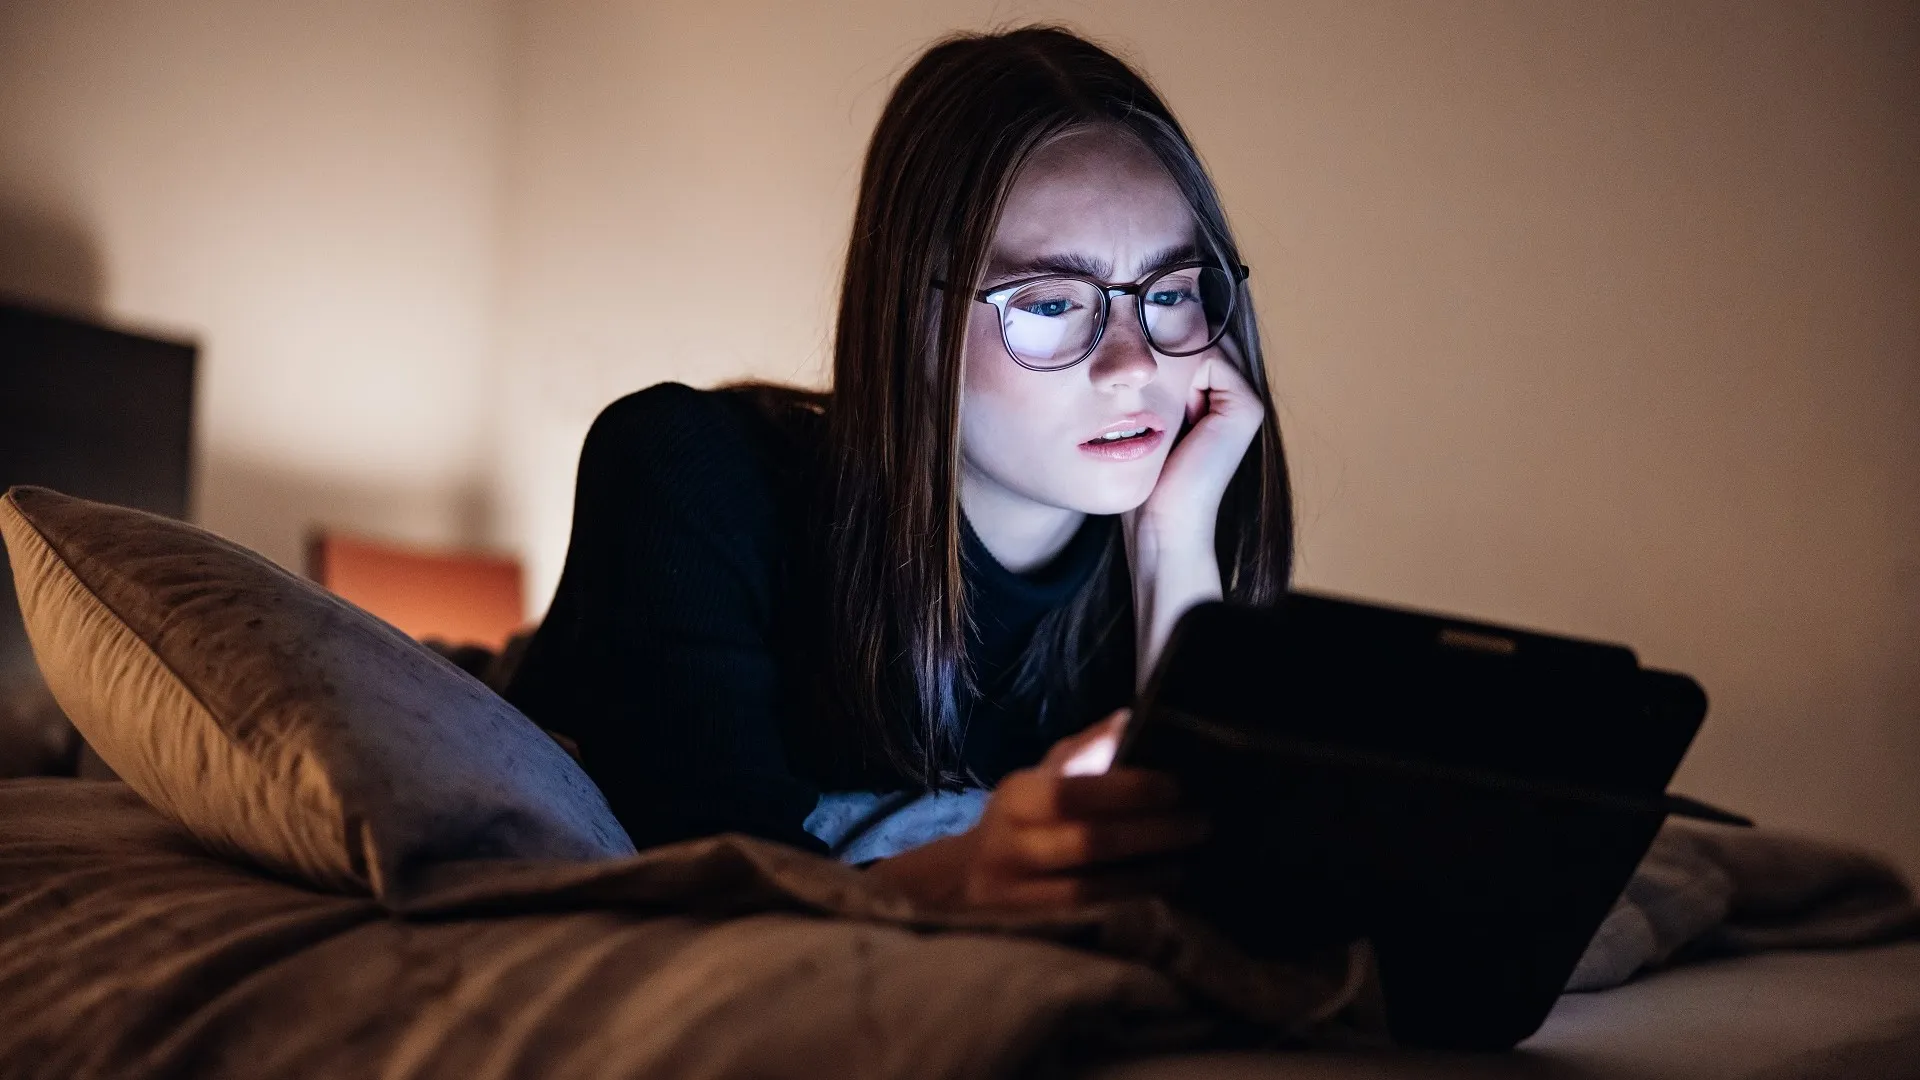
50, 261
271, 508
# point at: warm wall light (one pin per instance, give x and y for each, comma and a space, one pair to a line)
459, 596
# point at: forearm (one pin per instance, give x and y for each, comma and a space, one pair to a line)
1170, 575
933, 875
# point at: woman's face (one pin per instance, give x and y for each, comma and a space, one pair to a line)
1098, 204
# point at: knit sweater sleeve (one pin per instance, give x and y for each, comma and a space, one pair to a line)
657, 654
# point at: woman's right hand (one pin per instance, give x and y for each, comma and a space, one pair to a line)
1067, 831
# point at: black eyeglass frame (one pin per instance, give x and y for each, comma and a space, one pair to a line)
1108, 290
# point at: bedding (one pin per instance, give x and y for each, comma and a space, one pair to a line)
1708, 890
128, 951
1830, 1014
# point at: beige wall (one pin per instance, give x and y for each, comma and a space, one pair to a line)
308, 189
1596, 317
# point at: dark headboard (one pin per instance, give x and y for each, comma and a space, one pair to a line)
93, 412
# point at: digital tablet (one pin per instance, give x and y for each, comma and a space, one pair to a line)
1470, 797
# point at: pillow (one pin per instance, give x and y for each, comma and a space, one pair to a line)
276, 721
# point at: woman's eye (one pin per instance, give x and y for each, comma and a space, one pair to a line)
1051, 309
1168, 297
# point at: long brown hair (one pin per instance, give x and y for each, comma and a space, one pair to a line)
957, 129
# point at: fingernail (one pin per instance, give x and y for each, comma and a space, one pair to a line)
1092, 759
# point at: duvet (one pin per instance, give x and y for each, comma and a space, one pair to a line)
127, 952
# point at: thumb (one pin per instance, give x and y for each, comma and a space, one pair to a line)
1091, 751
1196, 404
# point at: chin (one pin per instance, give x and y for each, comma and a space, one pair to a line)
1106, 495
1106, 508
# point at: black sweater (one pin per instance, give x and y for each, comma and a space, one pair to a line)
679, 648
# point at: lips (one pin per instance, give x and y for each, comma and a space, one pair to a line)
1127, 438
1132, 424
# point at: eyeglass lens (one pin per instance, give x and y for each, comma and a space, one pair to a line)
1054, 323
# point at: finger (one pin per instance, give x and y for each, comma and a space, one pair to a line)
1041, 796
1023, 893
1197, 400
1094, 758
1224, 383
1073, 845
1071, 890
1124, 790
1203, 373
1027, 796
1071, 747
1233, 414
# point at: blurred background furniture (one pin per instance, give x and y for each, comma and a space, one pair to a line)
455, 596
95, 412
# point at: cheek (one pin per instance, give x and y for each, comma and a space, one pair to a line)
997, 412
988, 371
1168, 394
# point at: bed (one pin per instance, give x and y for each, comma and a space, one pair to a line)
126, 950
333, 854
1800, 1015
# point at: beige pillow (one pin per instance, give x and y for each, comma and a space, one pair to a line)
274, 720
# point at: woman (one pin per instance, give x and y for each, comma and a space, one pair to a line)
1049, 434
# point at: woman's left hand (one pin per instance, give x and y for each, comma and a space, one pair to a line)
1224, 414
1170, 537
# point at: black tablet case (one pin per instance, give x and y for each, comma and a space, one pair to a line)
1472, 798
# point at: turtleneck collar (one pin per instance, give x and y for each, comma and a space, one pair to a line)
1043, 588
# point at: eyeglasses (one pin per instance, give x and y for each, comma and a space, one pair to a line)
1052, 323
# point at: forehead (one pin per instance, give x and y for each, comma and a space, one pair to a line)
1098, 196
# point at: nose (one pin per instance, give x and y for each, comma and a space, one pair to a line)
1123, 357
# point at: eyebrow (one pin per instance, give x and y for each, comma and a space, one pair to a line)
1073, 262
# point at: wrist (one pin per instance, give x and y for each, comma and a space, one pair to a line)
1170, 575
1155, 538
933, 876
